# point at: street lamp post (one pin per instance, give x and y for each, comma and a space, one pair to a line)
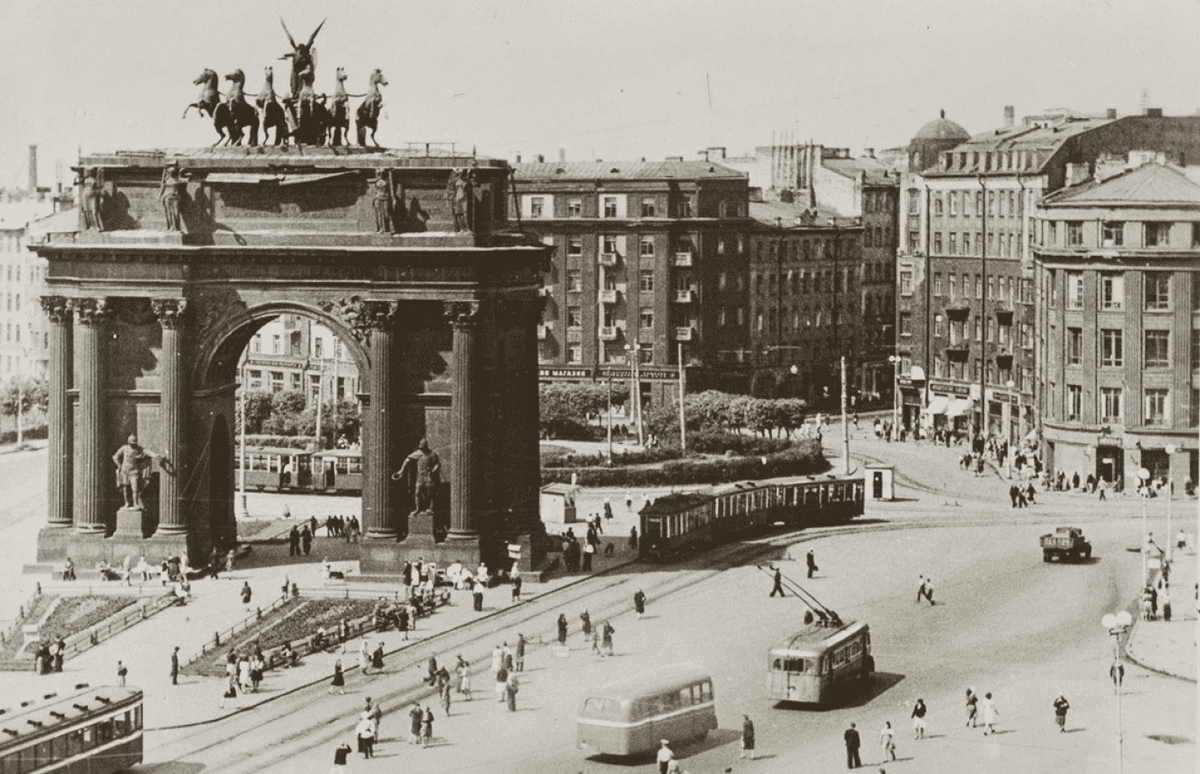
895, 361
1008, 462
1170, 450
845, 425
1117, 625
634, 357
242, 446
1144, 482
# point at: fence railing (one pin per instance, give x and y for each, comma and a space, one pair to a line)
21, 621
222, 638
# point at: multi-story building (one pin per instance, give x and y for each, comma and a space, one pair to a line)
292, 352
859, 190
1117, 261
24, 340
651, 260
965, 279
805, 300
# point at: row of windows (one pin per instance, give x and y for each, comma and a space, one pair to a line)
945, 368
803, 250
1005, 244
992, 329
879, 236
878, 201
1156, 290
1155, 350
1001, 204
1117, 233
574, 354
999, 288
818, 281
615, 206
70, 744
1156, 404
771, 319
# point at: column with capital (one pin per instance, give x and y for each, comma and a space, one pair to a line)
171, 519
96, 476
464, 318
58, 414
523, 468
377, 320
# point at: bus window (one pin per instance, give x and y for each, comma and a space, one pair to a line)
706, 691
602, 708
137, 717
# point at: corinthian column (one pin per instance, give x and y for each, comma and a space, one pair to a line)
169, 312
58, 415
95, 476
377, 320
463, 320
523, 391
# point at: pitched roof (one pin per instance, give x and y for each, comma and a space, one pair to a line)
625, 170
789, 213
1148, 184
875, 171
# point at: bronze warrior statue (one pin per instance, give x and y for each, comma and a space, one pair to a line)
171, 191
426, 474
382, 201
133, 468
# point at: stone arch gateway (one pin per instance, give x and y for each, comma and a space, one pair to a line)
149, 317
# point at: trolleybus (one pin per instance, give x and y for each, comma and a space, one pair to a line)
814, 665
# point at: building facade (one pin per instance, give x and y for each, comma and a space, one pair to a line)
805, 301
966, 315
1117, 261
295, 353
650, 262
24, 337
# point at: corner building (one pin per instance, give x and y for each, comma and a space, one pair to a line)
1117, 260
648, 256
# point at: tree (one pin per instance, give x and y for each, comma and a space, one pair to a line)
565, 408
33, 393
258, 410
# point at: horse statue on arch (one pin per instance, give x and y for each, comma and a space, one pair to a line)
237, 113
367, 115
339, 119
273, 116
209, 96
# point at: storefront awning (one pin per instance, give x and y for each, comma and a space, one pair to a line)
917, 374
958, 407
937, 405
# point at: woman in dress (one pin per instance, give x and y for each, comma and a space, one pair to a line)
364, 658
972, 707
377, 657
989, 714
562, 629
463, 668
339, 679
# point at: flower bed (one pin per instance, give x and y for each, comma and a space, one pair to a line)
34, 610
75, 614
294, 621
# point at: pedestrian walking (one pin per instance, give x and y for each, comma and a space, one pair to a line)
972, 707
175, 666
639, 603
294, 541
585, 621
777, 587
306, 538
246, 595
231, 690
810, 560
377, 657
375, 714
463, 670
229, 559
501, 682
608, 511
929, 591
122, 672
364, 658
665, 756
340, 755
562, 629
511, 687
853, 742
633, 539
606, 633
918, 719
747, 738
989, 712
1061, 705
339, 679
589, 551
519, 658
516, 588
416, 719
366, 738
887, 740
427, 727
477, 596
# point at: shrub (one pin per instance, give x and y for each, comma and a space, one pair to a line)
718, 442
572, 460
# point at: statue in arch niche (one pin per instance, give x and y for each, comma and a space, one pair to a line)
423, 471
133, 469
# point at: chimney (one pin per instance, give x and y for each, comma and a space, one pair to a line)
518, 157
562, 154
1010, 116
33, 179
541, 159
1150, 113
1076, 174
869, 152
1110, 113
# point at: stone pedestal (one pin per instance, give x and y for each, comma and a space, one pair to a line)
129, 522
420, 525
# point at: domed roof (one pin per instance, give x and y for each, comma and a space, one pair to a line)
942, 128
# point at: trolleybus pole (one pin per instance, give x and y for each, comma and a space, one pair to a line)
845, 425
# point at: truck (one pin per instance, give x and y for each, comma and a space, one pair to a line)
1066, 544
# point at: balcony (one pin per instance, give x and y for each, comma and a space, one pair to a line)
685, 334
958, 350
609, 333
543, 332
608, 259
608, 296
682, 259
685, 296
574, 335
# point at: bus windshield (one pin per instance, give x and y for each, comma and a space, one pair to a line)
794, 664
602, 708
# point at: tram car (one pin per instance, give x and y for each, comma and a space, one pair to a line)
90, 731
682, 522
277, 469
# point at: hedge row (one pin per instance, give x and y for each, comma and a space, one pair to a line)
28, 433
718, 442
571, 460
801, 458
280, 441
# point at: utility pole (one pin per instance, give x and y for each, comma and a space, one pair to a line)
320, 395
608, 453
637, 395
983, 312
682, 389
242, 445
845, 425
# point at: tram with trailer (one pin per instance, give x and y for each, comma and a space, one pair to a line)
280, 469
630, 716
682, 522
90, 731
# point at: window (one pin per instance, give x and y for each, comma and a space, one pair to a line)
1074, 233
741, 315
906, 279
574, 281
646, 280
978, 329
722, 281
1155, 412
937, 242
685, 207
721, 316
867, 241
1112, 233
608, 244
277, 381
990, 328
938, 326
575, 208
937, 204
956, 332
256, 381
1158, 290
575, 354
1158, 235
966, 246
537, 206
937, 283
1004, 334
953, 197
647, 318
609, 206
992, 289
1074, 290
646, 247
256, 343
574, 318
914, 241
905, 324
978, 286
574, 245
1112, 291
1026, 335
296, 381
648, 207
1112, 347
953, 243
953, 286
1074, 346
1074, 402
1155, 352
318, 347
275, 344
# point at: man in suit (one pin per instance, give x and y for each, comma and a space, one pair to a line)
853, 742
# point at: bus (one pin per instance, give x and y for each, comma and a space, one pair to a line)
630, 716
814, 665
91, 731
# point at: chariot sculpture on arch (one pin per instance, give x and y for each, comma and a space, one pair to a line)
422, 470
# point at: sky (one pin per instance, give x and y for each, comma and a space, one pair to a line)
615, 80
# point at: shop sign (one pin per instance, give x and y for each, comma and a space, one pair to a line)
564, 373
950, 389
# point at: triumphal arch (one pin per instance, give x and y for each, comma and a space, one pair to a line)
181, 255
